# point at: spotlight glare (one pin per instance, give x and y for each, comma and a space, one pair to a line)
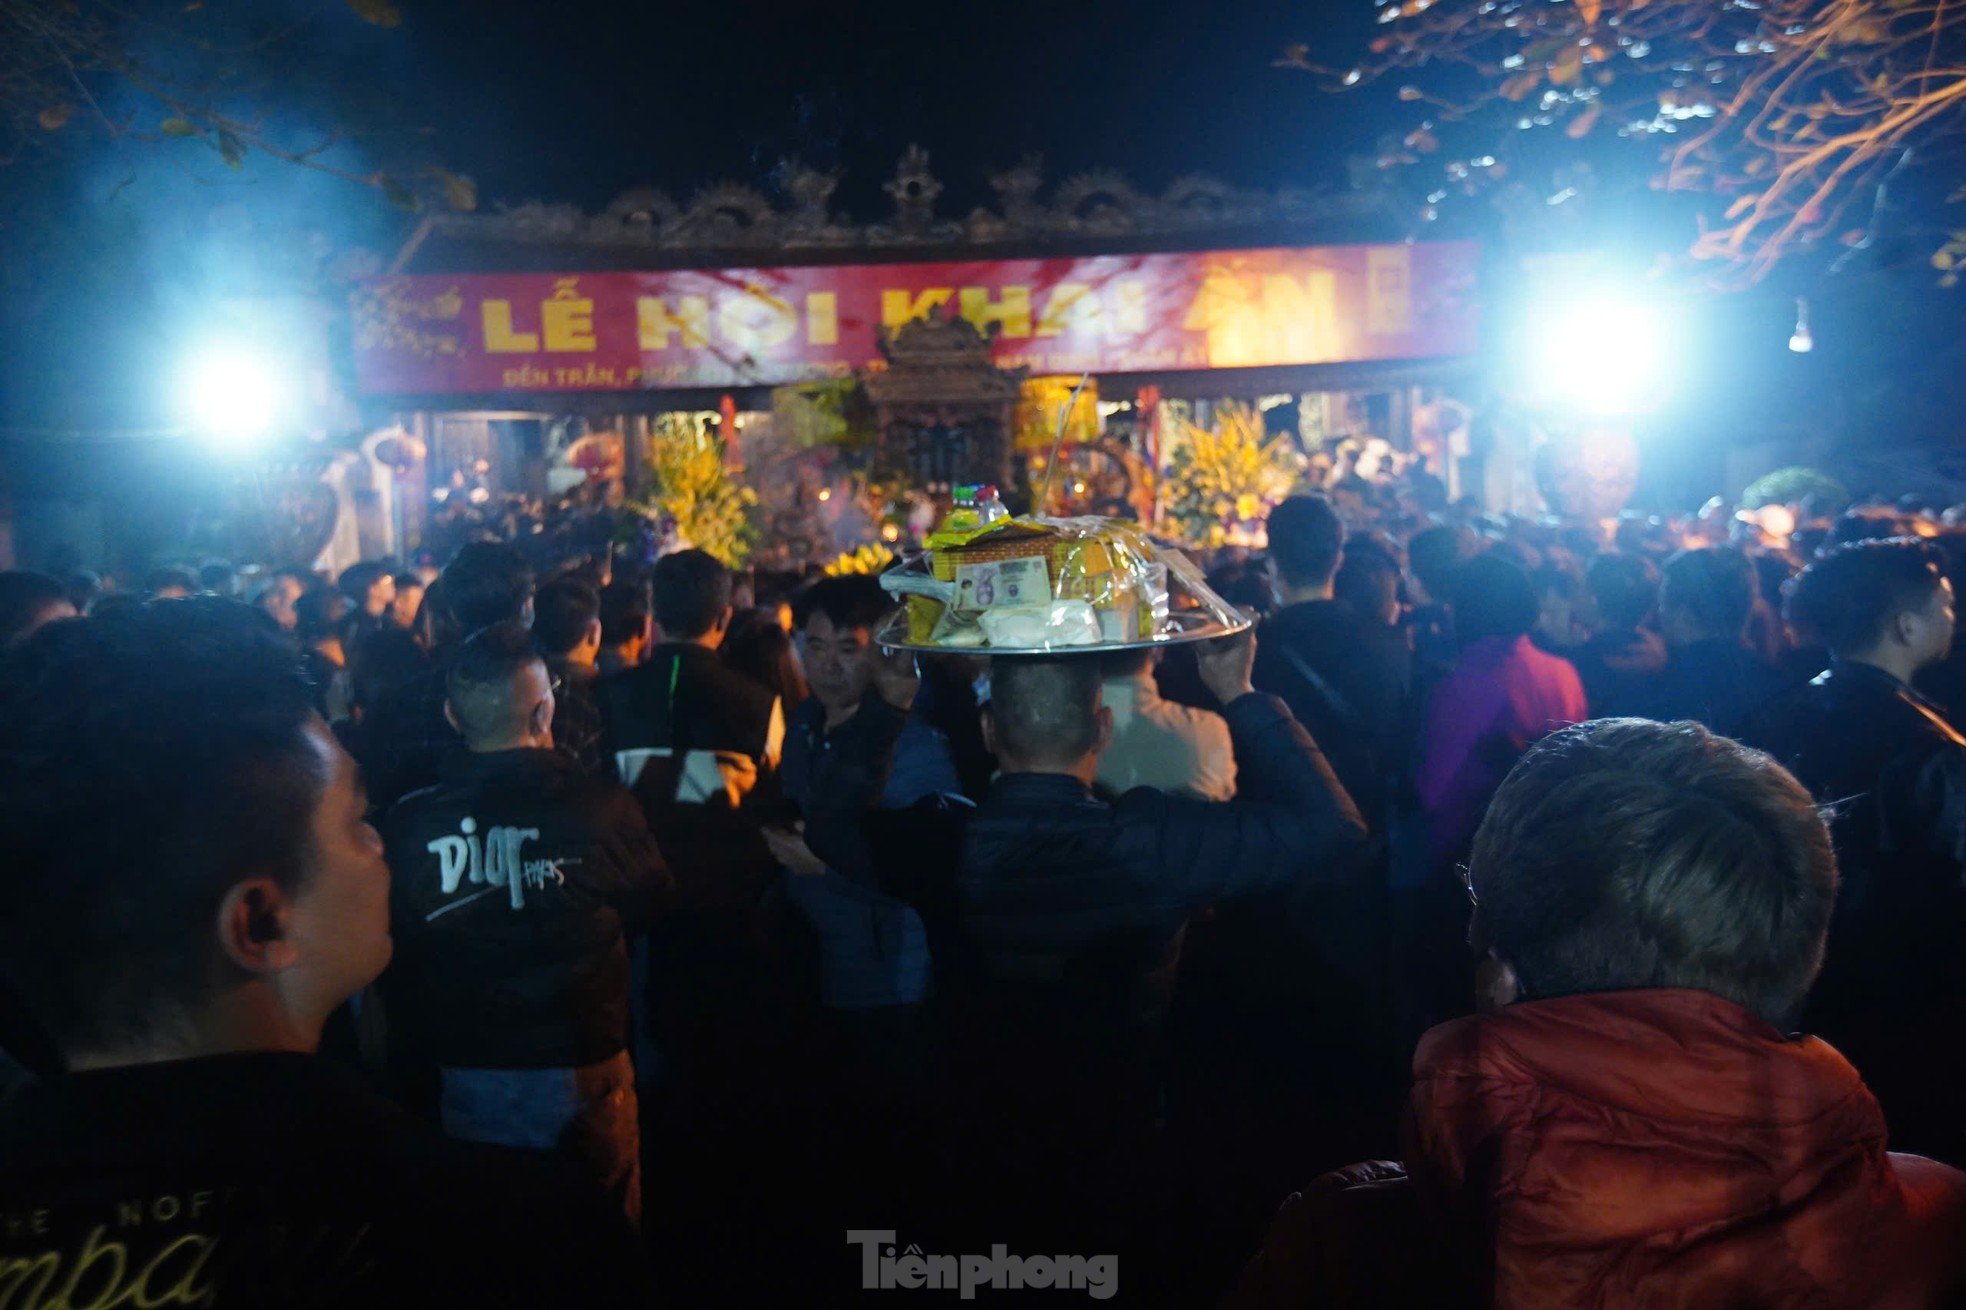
234, 395
1601, 357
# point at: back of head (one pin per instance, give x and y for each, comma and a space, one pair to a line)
1378, 545
1872, 523
1708, 593
624, 612
1045, 709
484, 684
357, 579
758, 647
436, 628
84, 586
187, 723
318, 614
564, 612
1435, 555
27, 600
774, 587
1848, 598
1625, 853
1306, 539
1493, 597
692, 591
1368, 581
171, 581
219, 578
1772, 572
486, 582
852, 600
1626, 588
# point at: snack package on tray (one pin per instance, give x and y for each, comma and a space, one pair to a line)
1033, 584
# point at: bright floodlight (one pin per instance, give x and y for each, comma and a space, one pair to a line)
234, 394
1802, 341
1600, 357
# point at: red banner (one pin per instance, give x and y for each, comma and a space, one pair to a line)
479, 334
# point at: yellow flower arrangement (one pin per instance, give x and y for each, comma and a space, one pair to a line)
688, 483
1229, 474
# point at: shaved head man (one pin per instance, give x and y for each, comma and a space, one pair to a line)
1047, 715
519, 881
498, 695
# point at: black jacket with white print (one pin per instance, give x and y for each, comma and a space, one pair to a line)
517, 883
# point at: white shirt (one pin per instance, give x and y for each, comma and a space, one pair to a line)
1160, 744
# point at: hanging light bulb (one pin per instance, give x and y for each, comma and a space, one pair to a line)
1801, 342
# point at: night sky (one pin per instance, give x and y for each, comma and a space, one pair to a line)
578, 102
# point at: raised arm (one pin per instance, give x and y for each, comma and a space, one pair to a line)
1293, 821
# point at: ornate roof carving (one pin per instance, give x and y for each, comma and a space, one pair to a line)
799, 212
811, 217
729, 214
941, 358
914, 190
937, 338
1102, 202
1017, 193
642, 207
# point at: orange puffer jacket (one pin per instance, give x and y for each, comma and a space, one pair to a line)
1634, 1150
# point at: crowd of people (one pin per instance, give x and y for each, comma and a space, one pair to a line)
581, 933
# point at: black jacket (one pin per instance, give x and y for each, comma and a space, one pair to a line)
698, 745
1618, 666
1349, 682
275, 1180
577, 716
1718, 683
1061, 915
1295, 984
1895, 773
516, 883
1892, 993
404, 739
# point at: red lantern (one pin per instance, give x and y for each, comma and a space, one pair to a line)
598, 455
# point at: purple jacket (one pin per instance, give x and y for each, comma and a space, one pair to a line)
1501, 698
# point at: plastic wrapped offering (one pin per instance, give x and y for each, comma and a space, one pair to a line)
1035, 585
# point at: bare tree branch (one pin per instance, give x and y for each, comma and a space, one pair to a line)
1788, 114
57, 53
